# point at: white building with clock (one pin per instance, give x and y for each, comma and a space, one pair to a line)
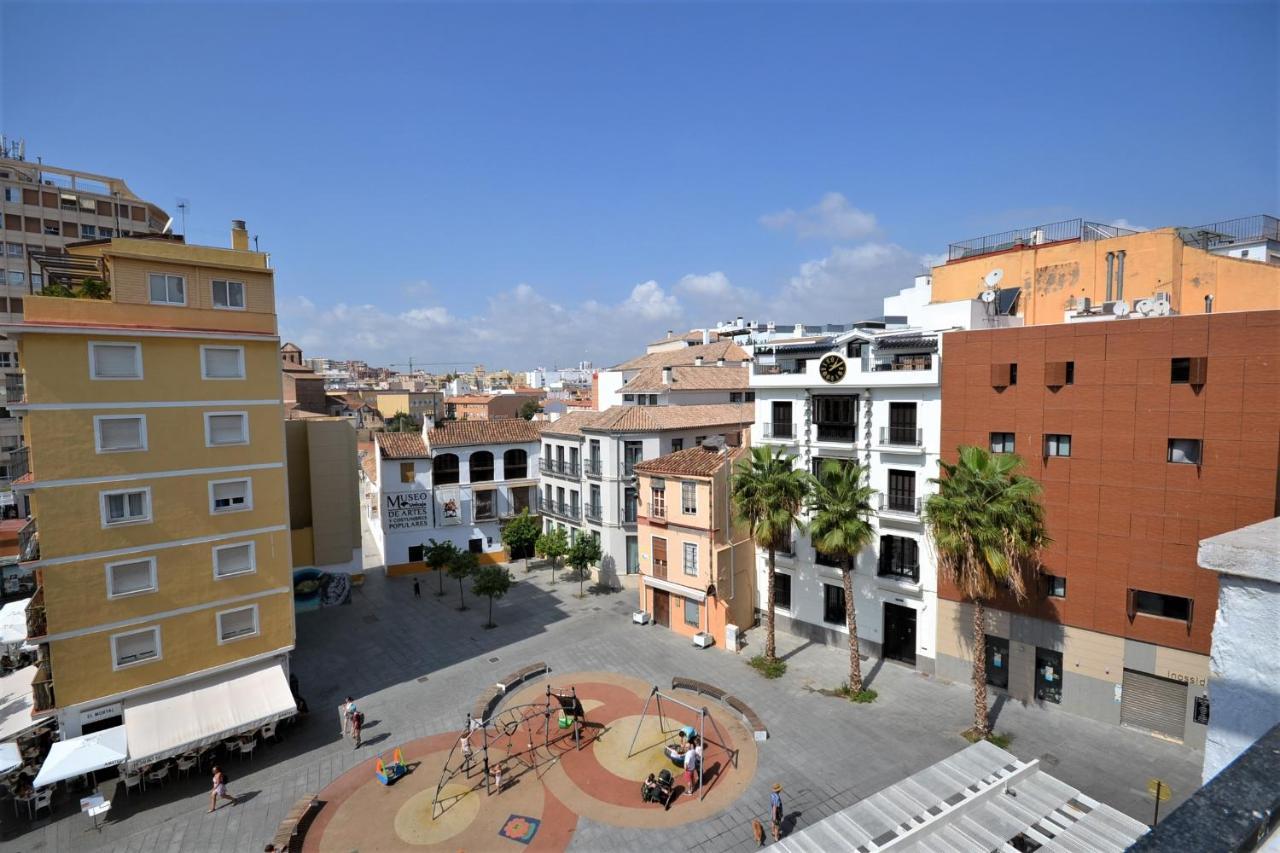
871, 394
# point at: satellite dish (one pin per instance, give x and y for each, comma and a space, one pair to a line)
1145, 307
1120, 309
1163, 309
993, 278
168, 227
988, 296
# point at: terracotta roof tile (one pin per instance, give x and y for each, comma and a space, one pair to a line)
690, 378
571, 423
700, 461
401, 445
727, 350
503, 431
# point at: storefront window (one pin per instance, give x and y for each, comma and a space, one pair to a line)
782, 591
998, 662
1048, 676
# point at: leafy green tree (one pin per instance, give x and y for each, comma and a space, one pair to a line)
583, 553
462, 565
552, 545
438, 555
529, 409
768, 494
402, 422
988, 529
94, 288
521, 535
839, 507
494, 582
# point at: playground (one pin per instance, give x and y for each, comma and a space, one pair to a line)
564, 747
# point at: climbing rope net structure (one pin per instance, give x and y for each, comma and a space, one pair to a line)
531, 735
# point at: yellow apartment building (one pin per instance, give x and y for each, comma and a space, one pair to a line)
1232, 265
418, 404
697, 566
156, 488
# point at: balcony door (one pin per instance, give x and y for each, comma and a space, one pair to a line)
902, 490
902, 423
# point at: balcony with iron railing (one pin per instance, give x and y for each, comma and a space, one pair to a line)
42, 698
923, 361
593, 512
836, 432
904, 505
592, 467
659, 568
559, 509
902, 438
19, 462
1036, 235
29, 542
1247, 229
559, 468
779, 431
37, 621
15, 387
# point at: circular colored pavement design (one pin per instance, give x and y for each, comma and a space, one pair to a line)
553, 784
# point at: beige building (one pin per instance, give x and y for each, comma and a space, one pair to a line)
418, 404
42, 209
486, 407
324, 494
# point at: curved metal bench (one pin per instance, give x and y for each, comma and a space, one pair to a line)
750, 717
293, 828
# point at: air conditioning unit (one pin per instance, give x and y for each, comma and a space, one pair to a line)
639, 617
703, 640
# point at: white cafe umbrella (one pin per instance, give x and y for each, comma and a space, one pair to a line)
10, 758
80, 755
13, 622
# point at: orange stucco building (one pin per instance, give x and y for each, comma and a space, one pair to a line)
696, 565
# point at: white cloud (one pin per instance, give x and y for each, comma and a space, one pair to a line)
712, 285
1124, 223
848, 284
831, 217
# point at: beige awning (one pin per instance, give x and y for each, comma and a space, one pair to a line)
16, 703
697, 595
194, 714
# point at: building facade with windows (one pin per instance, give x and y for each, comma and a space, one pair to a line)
155, 482
589, 485
871, 396
1148, 435
458, 482
697, 565
42, 209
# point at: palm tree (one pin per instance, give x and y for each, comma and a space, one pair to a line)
988, 528
839, 506
768, 494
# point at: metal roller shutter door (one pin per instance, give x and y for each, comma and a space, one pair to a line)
1153, 704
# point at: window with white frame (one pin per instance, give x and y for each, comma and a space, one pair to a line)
120, 433
223, 428
131, 577
689, 498
230, 495
135, 647
167, 289
690, 558
126, 506
234, 624
237, 559
222, 362
228, 294
115, 361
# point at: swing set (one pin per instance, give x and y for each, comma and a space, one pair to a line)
704, 716
512, 732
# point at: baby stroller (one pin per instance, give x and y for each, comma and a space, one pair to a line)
666, 786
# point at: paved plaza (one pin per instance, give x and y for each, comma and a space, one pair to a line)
416, 666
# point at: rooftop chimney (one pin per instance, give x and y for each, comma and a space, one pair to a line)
720, 361
666, 376
706, 336
697, 360
239, 236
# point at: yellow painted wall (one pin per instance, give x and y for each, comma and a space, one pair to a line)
170, 371
76, 593
130, 284
1053, 276
52, 309
82, 667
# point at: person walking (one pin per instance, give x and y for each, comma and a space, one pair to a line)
219, 789
348, 711
417, 590
357, 723
775, 811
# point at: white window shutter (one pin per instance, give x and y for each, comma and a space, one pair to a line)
120, 433
227, 429
115, 361
223, 363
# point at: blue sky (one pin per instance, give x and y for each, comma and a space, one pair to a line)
521, 184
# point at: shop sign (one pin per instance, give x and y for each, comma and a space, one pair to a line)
106, 712
408, 510
1202, 710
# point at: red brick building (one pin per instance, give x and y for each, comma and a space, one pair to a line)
1148, 434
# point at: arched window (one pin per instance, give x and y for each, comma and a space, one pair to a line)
515, 464
481, 466
445, 469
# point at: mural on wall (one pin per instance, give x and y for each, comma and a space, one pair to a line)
450, 507
313, 589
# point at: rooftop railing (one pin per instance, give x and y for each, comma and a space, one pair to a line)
1247, 229
1036, 235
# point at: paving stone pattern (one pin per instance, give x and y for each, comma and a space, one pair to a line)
416, 667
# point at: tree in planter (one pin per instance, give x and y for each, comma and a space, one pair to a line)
552, 545
768, 494
94, 288
521, 535
494, 582
462, 565
401, 422
438, 555
583, 553
987, 526
839, 506
529, 409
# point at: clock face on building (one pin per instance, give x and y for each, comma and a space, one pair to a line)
832, 368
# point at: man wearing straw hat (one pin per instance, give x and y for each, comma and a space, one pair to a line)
775, 811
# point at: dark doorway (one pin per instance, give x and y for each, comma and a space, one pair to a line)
900, 633
102, 725
476, 546
661, 608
